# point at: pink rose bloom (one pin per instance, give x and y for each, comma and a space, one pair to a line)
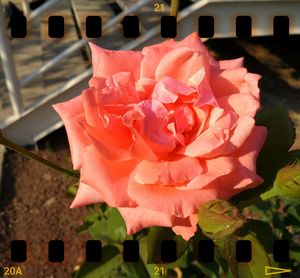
161, 131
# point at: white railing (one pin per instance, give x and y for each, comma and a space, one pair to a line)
6, 55
9, 69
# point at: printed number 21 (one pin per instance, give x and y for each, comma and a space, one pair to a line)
159, 7
160, 271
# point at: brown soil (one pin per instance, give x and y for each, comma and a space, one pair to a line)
33, 203
35, 208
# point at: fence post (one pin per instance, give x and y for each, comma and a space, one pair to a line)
9, 69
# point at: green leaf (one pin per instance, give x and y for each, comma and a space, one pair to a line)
286, 184
143, 248
154, 238
254, 268
218, 219
72, 190
180, 262
274, 154
295, 253
88, 221
211, 270
116, 226
136, 270
281, 131
99, 230
112, 229
260, 229
111, 259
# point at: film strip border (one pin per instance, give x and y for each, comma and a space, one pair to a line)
131, 251
131, 26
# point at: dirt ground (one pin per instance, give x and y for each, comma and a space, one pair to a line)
33, 202
34, 207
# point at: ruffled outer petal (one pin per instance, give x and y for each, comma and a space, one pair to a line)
167, 199
86, 195
175, 172
213, 169
231, 64
138, 218
185, 227
248, 153
180, 63
245, 176
240, 134
107, 62
154, 54
109, 178
71, 113
234, 80
242, 104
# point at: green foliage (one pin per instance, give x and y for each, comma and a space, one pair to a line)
154, 238
111, 229
254, 268
286, 184
218, 219
111, 259
284, 218
136, 270
72, 190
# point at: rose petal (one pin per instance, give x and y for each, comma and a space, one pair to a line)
240, 134
144, 87
138, 218
184, 119
106, 139
180, 63
97, 82
232, 81
173, 172
213, 169
193, 41
120, 89
86, 195
249, 151
185, 227
154, 53
152, 56
109, 178
139, 149
245, 172
242, 104
168, 89
208, 143
71, 112
153, 126
206, 94
90, 106
252, 81
227, 82
231, 64
167, 199
107, 62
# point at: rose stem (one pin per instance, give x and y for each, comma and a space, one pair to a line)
174, 7
36, 157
